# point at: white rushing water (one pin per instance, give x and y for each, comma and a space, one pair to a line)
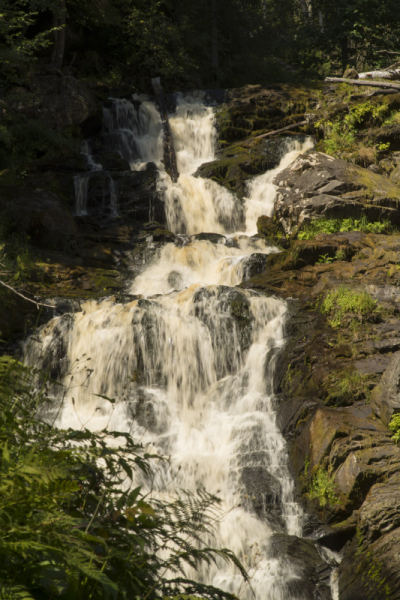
190, 362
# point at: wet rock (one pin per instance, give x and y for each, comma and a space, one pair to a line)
214, 238
318, 186
254, 265
262, 493
175, 280
385, 398
132, 194
111, 161
238, 164
227, 313
311, 572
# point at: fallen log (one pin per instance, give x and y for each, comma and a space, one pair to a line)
293, 126
383, 74
170, 163
382, 84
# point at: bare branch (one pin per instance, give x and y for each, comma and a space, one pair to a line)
25, 298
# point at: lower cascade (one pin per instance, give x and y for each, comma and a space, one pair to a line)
189, 360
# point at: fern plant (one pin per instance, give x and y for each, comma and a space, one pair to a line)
74, 525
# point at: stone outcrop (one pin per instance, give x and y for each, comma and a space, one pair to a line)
385, 398
60, 101
319, 186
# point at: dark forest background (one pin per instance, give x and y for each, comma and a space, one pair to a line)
196, 43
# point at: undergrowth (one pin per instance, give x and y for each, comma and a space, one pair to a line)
74, 521
343, 301
346, 388
313, 228
322, 488
340, 135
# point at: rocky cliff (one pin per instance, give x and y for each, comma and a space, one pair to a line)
337, 380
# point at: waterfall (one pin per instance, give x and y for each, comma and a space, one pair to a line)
190, 360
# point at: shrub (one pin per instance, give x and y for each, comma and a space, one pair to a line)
343, 301
322, 488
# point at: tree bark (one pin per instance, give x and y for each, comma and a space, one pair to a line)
214, 42
170, 163
60, 20
382, 84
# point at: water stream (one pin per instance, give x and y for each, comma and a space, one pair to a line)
191, 360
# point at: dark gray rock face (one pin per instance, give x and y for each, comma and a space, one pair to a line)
40, 215
385, 398
254, 265
317, 186
62, 101
311, 571
132, 194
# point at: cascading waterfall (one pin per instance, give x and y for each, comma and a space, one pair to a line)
191, 360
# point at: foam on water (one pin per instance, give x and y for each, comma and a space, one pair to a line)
191, 360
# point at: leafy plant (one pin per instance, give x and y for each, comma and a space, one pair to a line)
322, 488
325, 258
343, 301
394, 425
313, 228
75, 525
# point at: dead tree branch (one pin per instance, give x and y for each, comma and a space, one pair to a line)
382, 84
25, 298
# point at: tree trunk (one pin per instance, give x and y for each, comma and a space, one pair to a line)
214, 42
60, 20
170, 163
378, 84
345, 53
321, 21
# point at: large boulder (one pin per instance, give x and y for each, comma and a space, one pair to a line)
318, 186
131, 194
237, 164
61, 101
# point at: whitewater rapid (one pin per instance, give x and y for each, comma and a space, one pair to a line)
190, 361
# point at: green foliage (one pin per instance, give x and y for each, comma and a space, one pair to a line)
394, 425
18, 50
322, 488
313, 228
325, 258
24, 140
340, 135
343, 301
346, 388
74, 524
